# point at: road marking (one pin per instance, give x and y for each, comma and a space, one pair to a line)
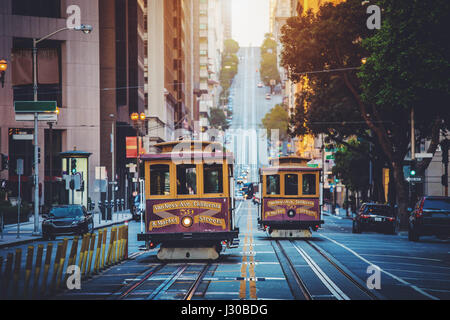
334, 289
404, 257
386, 272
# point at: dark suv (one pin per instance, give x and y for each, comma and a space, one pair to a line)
376, 217
67, 220
431, 216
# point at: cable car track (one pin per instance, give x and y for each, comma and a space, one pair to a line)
166, 283
300, 290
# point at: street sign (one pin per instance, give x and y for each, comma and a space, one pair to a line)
34, 106
41, 117
19, 167
23, 137
415, 179
424, 155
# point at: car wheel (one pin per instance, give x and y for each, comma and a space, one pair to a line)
412, 234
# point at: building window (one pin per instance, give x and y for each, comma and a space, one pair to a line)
159, 180
186, 180
37, 8
273, 184
309, 184
48, 70
291, 184
213, 178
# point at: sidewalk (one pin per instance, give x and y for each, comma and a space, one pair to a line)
341, 214
26, 228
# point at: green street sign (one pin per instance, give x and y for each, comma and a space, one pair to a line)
313, 165
34, 106
331, 157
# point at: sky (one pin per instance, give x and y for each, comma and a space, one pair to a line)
250, 22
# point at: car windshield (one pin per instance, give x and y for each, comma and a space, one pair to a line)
66, 212
379, 210
437, 204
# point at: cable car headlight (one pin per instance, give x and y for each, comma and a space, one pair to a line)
187, 221
291, 213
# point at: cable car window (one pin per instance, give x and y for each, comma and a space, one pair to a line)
186, 179
309, 184
159, 180
213, 178
291, 184
273, 184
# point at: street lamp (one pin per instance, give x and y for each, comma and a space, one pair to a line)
86, 29
3, 68
137, 120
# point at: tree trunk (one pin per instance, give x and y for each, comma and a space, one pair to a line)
401, 189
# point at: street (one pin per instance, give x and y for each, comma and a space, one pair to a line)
332, 265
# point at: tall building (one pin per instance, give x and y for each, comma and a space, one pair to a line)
68, 64
227, 19
170, 82
211, 38
122, 83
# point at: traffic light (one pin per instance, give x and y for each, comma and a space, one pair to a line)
82, 186
39, 154
412, 169
4, 162
73, 166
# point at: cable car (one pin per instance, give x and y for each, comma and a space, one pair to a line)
290, 205
189, 192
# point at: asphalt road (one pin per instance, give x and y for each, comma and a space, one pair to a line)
249, 108
333, 265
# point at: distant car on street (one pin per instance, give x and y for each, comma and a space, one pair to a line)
375, 217
430, 216
268, 96
260, 85
67, 220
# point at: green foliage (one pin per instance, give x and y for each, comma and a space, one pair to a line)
352, 166
231, 47
217, 119
269, 62
277, 119
229, 69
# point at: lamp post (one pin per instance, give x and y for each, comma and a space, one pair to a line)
86, 29
3, 68
138, 119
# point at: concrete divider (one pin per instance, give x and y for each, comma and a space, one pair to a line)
37, 269
28, 269
91, 253
48, 258
7, 274
17, 265
92, 256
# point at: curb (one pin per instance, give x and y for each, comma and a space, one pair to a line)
22, 242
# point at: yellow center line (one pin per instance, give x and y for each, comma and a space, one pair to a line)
252, 260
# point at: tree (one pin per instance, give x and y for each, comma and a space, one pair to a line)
217, 119
375, 104
277, 119
408, 67
231, 46
269, 61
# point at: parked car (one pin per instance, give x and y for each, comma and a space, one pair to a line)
430, 216
375, 217
67, 220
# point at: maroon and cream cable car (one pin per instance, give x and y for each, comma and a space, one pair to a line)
290, 198
189, 204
